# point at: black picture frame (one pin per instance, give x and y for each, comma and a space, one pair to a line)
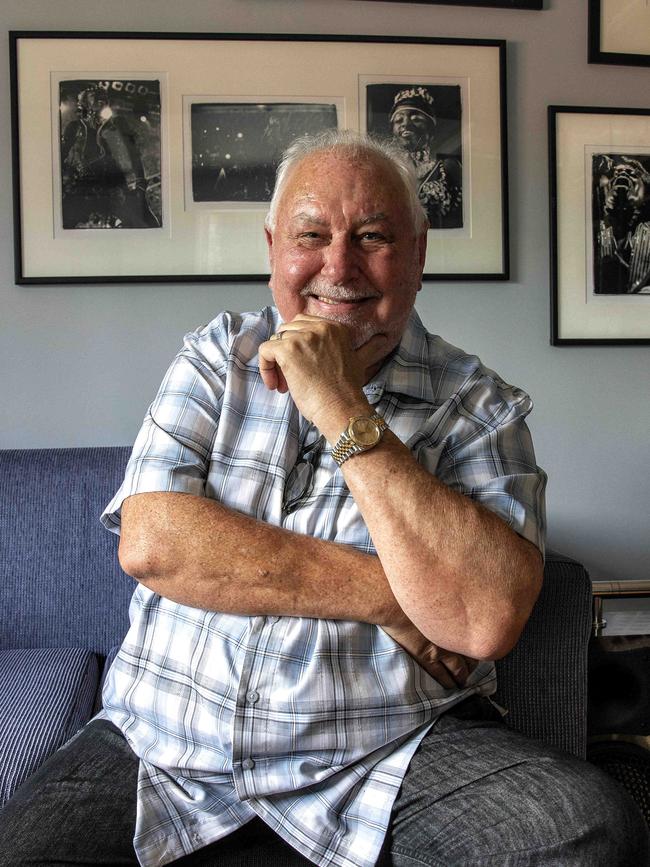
599, 35
213, 241
591, 152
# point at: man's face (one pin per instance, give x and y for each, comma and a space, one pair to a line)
624, 187
345, 247
93, 106
413, 129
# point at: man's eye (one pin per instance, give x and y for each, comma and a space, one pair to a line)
372, 236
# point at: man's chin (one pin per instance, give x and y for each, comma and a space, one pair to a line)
360, 331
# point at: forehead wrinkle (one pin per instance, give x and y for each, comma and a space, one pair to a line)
309, 217
314, 217
378, 217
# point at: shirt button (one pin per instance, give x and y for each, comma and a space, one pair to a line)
273, 619
248, 764
252, 696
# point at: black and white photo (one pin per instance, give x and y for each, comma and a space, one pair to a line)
425, 119
236, 147
173, 141
110, 153
599, 194
621, 223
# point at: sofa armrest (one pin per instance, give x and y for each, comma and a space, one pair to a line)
542, 682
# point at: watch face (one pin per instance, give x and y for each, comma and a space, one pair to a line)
364, 431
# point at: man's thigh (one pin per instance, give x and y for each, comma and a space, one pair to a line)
78, 808
479, 794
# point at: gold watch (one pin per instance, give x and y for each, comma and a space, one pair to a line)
362, 433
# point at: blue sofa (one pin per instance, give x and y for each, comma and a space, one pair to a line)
65, 599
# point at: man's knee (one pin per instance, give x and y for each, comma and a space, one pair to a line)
17, 834
583, 817
521, 804
612, 816
79, 807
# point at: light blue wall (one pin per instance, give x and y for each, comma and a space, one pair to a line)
78, 365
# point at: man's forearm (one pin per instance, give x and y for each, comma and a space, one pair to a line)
196, 551
459, 573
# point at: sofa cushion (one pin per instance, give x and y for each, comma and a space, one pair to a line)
46, 695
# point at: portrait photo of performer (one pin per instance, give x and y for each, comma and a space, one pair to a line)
110, 154
621, 224
426, 121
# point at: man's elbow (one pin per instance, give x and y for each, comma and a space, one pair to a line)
505, 629
141, 559
495, 644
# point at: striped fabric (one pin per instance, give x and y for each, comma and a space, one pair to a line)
309, 724
46, 695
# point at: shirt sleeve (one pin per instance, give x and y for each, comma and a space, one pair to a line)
172, 450
483, 449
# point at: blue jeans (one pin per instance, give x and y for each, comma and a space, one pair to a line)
476, 794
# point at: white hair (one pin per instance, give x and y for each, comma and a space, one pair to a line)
360, 147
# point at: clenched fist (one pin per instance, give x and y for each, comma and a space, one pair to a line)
315, 361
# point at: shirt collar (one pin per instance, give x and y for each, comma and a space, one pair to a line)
407, 370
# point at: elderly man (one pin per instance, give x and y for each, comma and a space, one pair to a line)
335, 519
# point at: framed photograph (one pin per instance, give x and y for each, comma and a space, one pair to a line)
426, 118
151, 157
236, 146
108, 162
619, 32
600, 225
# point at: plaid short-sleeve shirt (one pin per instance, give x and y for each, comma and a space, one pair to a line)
309, 724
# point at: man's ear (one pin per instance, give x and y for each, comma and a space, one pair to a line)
422, 249
269, 243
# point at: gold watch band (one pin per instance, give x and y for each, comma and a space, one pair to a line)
348, 444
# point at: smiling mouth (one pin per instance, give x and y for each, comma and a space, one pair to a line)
335, 301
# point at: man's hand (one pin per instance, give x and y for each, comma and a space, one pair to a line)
315, 361
451, 670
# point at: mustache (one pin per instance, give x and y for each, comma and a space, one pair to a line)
337, 291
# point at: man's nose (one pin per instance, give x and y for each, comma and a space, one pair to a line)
340, 260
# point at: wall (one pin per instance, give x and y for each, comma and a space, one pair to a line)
79, 364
